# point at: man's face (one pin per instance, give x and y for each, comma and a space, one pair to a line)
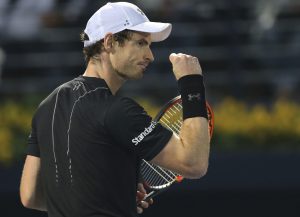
131, 59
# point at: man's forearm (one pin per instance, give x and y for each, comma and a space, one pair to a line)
194, 136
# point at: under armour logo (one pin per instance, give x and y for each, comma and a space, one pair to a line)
141, 12
194, 96
77, 85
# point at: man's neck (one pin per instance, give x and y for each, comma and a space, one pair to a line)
112, 79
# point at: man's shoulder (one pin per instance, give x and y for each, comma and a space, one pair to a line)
122, 101
124, 105
53, 94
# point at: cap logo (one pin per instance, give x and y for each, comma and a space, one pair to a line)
126, 23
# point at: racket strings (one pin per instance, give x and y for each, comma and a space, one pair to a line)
157, 177
172, 118
150, 177
162, 173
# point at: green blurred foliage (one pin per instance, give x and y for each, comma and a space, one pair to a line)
257, 127
15, 120
238, 126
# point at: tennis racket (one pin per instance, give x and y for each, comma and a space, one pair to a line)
155, 178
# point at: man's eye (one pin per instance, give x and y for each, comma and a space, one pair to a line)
141, 43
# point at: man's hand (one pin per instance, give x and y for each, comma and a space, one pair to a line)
184, 64
140, 195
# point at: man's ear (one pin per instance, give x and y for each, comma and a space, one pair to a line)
108, 42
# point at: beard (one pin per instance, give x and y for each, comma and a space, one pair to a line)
128, 76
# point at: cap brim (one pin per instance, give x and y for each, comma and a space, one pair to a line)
159, 31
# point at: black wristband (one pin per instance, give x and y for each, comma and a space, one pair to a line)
192, 90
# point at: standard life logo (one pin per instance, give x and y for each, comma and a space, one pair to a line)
143, 134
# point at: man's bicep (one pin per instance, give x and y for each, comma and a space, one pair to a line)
31, 171
169, 157
30, 178
32, 164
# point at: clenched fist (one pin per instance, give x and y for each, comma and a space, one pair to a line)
184, 64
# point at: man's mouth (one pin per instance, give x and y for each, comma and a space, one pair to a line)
143, 65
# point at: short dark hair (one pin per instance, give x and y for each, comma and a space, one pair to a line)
98, 47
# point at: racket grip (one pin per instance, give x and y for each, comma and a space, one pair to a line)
153, 194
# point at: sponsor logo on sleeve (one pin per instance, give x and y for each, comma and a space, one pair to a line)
142, 135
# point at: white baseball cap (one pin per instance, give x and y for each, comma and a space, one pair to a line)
118, 16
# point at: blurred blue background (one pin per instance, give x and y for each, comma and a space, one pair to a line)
250, 55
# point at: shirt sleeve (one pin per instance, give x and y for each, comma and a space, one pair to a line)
33, 148
130, 126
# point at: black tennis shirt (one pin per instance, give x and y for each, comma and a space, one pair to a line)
90, 143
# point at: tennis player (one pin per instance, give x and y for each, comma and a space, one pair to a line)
86, 141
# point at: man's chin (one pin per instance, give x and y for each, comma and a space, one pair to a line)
137, 76
131, 76
140, 76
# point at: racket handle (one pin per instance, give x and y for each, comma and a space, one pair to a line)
148, 197
152, 194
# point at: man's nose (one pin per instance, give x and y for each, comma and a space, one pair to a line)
149, 55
